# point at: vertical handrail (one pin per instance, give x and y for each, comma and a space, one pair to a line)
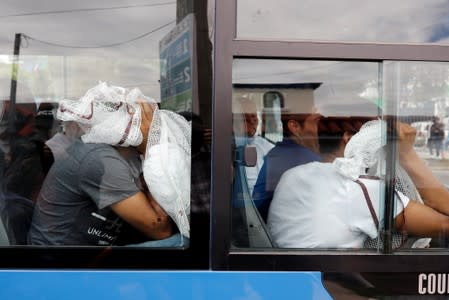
390, 184
13, 92
391, 116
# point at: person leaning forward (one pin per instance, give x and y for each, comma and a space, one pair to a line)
97, 193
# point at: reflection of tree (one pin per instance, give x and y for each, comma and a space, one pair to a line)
415, 88
40, 79
421, 82
5, 70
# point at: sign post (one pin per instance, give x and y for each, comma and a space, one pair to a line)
177, 67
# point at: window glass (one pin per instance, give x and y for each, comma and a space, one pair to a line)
298, 117
80, 84
348, 20
323, 184
417, 93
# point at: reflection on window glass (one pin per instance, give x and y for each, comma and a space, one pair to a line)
274, 102
296, 195
348, 20
96, 104
417, 93
323, 185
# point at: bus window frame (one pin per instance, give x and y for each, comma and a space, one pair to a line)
227, 48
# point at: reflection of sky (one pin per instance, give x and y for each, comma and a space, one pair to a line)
129, 64
85, 28
352, 88
440, 32
343, 88
411, 21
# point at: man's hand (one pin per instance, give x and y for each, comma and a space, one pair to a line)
406, 135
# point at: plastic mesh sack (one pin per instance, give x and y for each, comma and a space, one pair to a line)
106, 114
166, 167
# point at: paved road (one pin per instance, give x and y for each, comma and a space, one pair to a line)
439, 166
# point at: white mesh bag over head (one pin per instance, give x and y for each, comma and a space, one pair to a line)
362, 151
106, 114
166, 167
365, 150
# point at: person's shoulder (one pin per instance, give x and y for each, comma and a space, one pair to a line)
370, 182
309, 169
284, 145
306, 154
93, 152
263, 142
277, 148
286, 148
96, 149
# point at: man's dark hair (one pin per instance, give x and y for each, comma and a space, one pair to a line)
332, 129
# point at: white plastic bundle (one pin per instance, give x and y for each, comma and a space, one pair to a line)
106, 114
166, 167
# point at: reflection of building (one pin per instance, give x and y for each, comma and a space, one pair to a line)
274, 100
423, 111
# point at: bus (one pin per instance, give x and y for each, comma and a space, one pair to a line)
247, 77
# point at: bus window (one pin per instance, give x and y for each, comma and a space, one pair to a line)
98, 106
416, 93
319, 106
345, 136
381, 21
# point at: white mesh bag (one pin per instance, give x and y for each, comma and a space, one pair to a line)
106, 114
166, 167
362, 151
365, 150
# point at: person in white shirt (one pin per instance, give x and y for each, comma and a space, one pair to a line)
323, 204
245, 130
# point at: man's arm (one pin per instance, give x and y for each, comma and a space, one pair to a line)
423, 221
432, 191
145, 215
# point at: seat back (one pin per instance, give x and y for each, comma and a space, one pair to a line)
248, 227
16, 213
4, 240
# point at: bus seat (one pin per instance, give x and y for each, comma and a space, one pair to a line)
4, 241
248, 227
16, 214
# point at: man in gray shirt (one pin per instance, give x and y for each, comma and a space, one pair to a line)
89, 197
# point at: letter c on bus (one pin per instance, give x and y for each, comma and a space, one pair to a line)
421, 286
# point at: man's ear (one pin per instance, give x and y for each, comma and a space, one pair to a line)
346, 137
293, 126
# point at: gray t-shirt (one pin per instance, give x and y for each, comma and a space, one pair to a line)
73, 207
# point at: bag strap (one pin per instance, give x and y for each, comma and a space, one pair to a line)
369, 203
